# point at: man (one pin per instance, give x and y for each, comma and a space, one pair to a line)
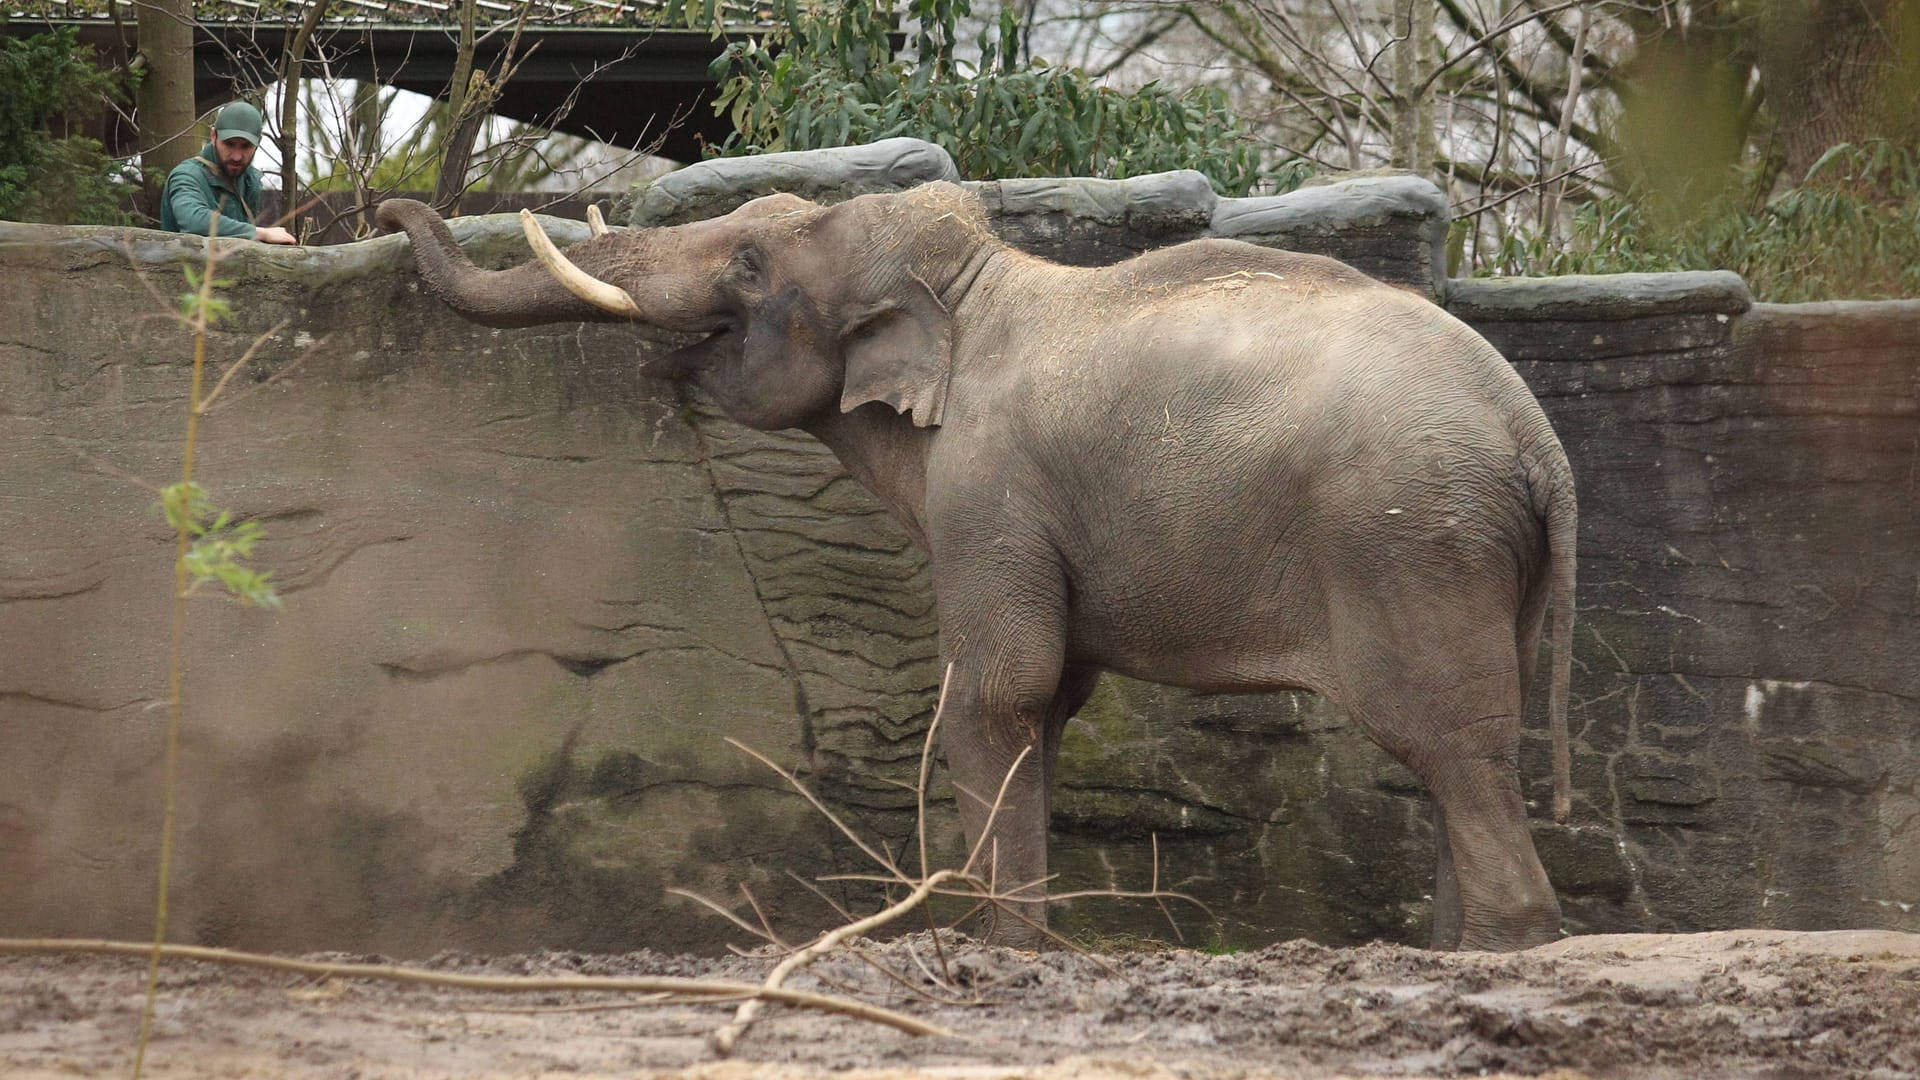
221, 179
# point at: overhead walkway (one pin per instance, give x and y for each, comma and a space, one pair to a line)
630, 73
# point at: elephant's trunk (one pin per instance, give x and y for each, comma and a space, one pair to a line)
523, 296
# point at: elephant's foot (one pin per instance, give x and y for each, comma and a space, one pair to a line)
1534, 922
1016, 924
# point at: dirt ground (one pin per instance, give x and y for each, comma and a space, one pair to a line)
1745, 1003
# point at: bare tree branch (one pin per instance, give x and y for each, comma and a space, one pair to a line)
673, 989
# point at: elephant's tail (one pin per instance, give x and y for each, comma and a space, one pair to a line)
1563, 517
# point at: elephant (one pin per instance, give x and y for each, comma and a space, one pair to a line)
1216, 465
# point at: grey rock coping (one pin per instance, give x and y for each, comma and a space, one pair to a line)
1598, 296
1159, 203
150, 251
495, 239
489, 239
1393, 226
1370, 201
94, 245
1156, 203
716, 186
142, 247
1877, 310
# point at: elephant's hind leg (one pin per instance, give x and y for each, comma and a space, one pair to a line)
1504, 899
1454, 719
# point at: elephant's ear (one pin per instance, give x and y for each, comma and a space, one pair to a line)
899, 351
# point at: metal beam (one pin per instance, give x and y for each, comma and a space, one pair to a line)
627, 102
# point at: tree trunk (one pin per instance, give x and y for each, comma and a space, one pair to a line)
164, 33
1413, 135
463, 122
290, 118
1840, 71
463, 132
1555, 192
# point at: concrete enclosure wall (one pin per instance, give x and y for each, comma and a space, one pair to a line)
528, 594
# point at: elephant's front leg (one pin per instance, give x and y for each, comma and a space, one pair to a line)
1009, 694
1003, 776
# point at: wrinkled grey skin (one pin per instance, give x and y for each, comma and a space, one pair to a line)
1216, 466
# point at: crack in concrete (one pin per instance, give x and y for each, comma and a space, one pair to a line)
869, 639
506, 418
64, 703
1616, 821
559, 459
906, 735
1163, 795
325, 572
1774, 680
585, 665
11, 597
922, 610
637, 624
1811, 772
866, 554
708, 643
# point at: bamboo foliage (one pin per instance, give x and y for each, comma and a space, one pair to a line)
827, 76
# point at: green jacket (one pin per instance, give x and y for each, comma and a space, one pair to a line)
196, 188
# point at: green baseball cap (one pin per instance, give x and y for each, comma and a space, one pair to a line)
237, 121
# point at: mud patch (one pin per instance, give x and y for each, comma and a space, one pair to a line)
1750, 1003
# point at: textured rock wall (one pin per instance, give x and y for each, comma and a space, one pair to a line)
528, 594
1748, 717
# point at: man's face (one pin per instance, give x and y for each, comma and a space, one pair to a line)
235, 155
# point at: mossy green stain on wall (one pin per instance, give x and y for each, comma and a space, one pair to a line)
1254, 799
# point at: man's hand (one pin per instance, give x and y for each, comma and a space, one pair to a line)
267, 234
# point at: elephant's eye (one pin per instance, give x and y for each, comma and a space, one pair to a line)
745, 266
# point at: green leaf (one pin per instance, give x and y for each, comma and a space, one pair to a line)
1832, 154
219, 544
1029, 131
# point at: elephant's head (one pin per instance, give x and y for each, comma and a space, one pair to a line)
803, 308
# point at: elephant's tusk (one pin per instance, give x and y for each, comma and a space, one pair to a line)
578, 282
594, 221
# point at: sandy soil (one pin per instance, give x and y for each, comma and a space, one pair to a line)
1747, 1003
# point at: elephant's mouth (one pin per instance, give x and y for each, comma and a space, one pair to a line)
718, 346
725, 338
